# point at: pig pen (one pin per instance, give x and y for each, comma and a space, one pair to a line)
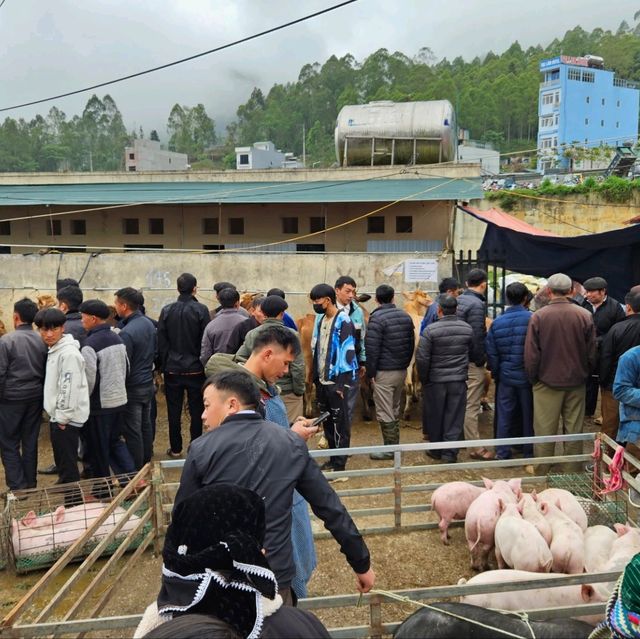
406, 488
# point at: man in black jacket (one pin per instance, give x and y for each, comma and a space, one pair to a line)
443, 362
389, 343
69, 300
619, 339
139, 336
606, 312
472, 309
242, 448
23, 357
180, 330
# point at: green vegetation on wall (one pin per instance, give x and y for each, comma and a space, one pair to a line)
613, 189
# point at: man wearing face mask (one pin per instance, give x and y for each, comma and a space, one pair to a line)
335, 369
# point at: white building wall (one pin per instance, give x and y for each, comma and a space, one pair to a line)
146, 155
489, 158
264, 155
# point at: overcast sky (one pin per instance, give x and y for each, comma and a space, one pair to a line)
51, 47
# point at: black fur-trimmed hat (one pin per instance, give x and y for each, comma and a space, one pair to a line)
213, 560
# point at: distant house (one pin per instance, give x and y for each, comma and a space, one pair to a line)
471, 151
146, 155
582, 104
264, 155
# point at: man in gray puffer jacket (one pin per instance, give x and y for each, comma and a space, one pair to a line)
443, 361
472, 309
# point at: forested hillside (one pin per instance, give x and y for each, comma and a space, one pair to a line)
495, 97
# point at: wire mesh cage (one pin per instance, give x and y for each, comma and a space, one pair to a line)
601, 508
5, 518
41, 523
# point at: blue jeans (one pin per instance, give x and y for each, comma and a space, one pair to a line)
514, 417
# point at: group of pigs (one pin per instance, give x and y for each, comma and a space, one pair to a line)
531, 534
33, 535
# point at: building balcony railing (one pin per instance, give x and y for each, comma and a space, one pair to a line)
626, 84
550, 83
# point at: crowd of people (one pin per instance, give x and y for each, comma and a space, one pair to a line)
99, 367
94, 370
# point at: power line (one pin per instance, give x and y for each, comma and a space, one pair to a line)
1, 3
188, 59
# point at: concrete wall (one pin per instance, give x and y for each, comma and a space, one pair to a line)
271, 175
156, 274
573, 215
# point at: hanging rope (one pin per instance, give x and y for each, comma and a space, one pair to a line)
521, 615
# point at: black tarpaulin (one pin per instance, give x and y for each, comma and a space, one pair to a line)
614, 255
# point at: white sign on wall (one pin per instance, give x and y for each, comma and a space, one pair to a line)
421, 270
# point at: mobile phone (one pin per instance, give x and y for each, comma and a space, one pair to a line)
318, 420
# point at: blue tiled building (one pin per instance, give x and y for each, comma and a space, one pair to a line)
582, 103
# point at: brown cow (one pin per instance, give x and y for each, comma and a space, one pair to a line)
305, 329
416, 305
45, 301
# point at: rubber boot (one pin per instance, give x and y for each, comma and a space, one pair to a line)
390, 435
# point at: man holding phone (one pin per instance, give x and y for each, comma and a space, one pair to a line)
274, 348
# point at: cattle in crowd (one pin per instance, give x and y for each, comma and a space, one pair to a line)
305, 330
45, 301
416, 305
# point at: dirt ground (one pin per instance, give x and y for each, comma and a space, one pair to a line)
403, 560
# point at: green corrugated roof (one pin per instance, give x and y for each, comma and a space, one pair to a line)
242, 192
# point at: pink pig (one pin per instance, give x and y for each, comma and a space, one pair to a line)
623, 548
531, 514
452, 500
532, 598
519, 545
32, 535
597, 547
569, 505
567, 545
482, 515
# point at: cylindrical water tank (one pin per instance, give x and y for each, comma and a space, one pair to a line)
388, 132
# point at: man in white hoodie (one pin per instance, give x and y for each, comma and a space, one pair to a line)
66, 394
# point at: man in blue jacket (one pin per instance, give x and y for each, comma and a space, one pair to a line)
505, 359
335, 367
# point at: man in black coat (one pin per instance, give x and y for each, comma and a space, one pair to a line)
389, 344
443, 362
242, 448
619, 339
606, 312
180, 329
